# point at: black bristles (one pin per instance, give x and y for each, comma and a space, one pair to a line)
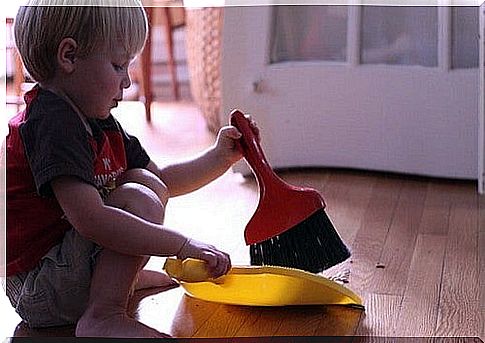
313, 245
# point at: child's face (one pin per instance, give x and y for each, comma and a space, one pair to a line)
98, 82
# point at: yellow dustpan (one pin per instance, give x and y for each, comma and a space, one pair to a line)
259, 286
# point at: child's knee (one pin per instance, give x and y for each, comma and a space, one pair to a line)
138, 200
147, 178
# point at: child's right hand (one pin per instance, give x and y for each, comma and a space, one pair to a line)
219, 262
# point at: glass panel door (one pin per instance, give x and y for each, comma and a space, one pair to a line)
391, 35
306, 33
400, 35
465, 37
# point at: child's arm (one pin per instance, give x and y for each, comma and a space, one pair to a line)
187, 176
120, 231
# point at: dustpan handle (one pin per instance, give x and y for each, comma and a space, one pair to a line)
251, 149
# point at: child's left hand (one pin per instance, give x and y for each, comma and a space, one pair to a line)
226, 143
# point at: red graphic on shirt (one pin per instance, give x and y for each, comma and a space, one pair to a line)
110, 159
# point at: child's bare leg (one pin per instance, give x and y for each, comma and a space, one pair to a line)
153, 278
115, 274
147, 278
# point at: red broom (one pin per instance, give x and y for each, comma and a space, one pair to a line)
290, 227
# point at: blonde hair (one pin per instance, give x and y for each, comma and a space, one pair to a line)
40, 26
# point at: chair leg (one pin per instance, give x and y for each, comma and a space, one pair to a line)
170, 51
146, 67
18, 79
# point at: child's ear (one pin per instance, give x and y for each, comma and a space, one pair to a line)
66, 54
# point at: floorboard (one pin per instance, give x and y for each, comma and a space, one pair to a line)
370, 238
436, 209
381, 315
419, 308
395, 259
459, 311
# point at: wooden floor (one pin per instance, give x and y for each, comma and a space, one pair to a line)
418, 248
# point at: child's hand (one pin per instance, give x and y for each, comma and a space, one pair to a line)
219, 262
227, 142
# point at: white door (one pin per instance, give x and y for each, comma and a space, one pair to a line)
481, 142
379, 88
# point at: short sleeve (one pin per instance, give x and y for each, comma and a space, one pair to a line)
56, 144
136, 156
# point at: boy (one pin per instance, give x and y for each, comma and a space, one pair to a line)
85, 203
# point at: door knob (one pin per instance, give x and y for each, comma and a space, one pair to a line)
258, 86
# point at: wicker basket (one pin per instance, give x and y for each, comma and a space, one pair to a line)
204, 38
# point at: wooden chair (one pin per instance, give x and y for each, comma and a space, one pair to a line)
18, 73
166, 11
169, 23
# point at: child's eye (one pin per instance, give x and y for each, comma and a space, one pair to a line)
117, 67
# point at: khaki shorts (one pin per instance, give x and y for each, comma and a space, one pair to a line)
55, 292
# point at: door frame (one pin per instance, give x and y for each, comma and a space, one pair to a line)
481, 118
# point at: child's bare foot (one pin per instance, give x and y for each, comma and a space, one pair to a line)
116, 325
152, 278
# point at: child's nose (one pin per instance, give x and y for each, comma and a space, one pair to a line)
126, 82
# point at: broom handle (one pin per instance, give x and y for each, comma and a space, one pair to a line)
252, 151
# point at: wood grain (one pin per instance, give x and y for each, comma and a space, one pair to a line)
459, 312
300, 321
347, 209
373, 231
436, 208
381, 315
174, 313
262, 321
224, 322
419, 308
400, 241
339, 321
